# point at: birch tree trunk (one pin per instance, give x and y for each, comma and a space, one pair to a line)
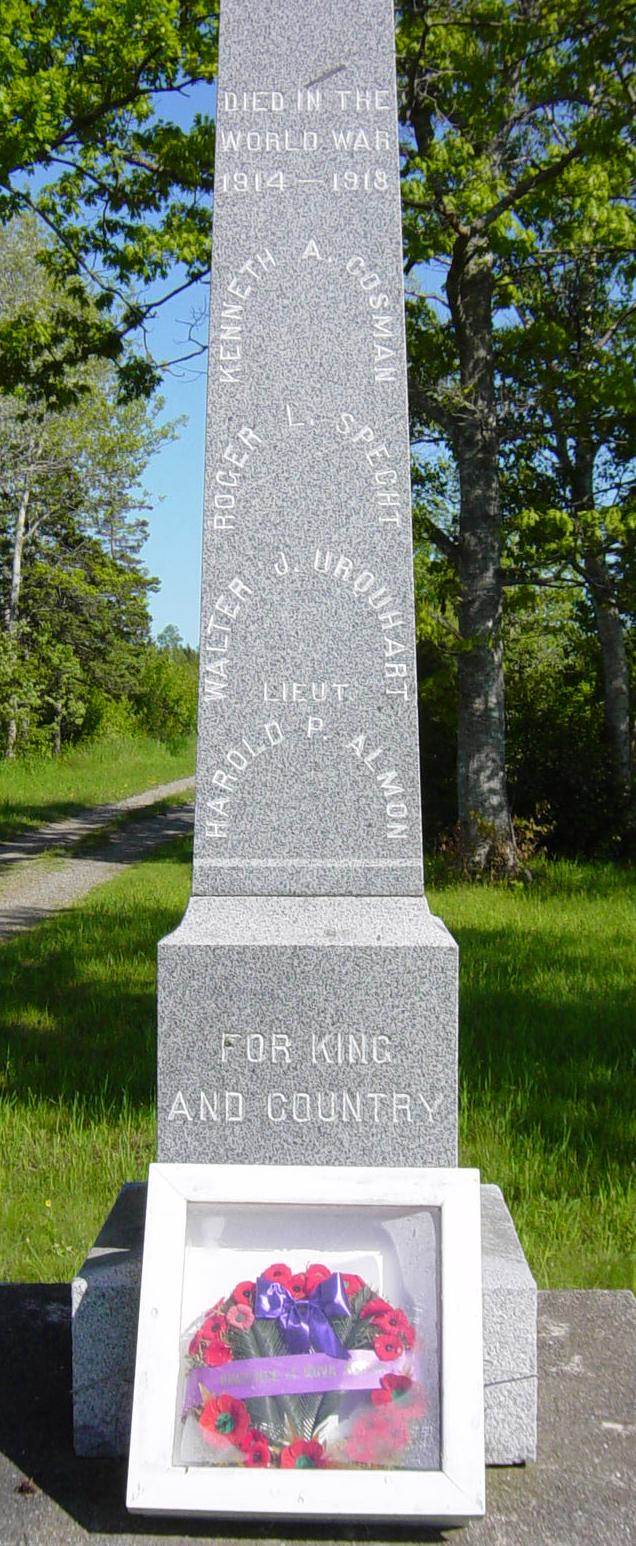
484, 817
13, 600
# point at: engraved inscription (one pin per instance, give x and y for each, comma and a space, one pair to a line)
239, 759
361, 1107
237, 291
379, 459
364, 583
305, 692
217, 637
389, 781
227, 477
383, 327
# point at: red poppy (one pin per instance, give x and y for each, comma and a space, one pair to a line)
393, 1387
257, 1453
374, 1307
396, 1321
277, 1273
240, 1317
224, 1420
387, 1347
303, 1454
297, 1286
316, 1274
217, 1352
375, 1437
195, 1345
213, 1325
244, 1293
252, 1436
352, 1282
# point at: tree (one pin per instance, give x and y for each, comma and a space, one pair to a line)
71, 524
121, 192
498, 101
568, 369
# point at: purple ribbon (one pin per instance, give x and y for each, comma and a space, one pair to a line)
295, 1374
304, 1323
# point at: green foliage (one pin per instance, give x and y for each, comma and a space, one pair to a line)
165, 695
114, 184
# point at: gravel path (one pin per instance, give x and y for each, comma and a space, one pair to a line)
31, 891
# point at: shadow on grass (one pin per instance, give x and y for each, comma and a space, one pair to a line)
538, 1035
78, 999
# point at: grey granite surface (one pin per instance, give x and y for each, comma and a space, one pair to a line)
581, 1491
308, 1030
307, 775
105, 1297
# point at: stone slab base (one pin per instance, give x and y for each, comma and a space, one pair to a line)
105, 1297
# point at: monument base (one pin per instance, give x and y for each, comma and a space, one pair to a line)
105, 1296
307, 1030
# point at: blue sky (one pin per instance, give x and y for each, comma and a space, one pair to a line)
174, 478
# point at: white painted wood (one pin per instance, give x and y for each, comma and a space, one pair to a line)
451, 1495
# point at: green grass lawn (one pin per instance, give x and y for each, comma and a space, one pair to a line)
34, 791
546, 1039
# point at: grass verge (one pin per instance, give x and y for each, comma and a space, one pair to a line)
547, 1062
546, 1046
34, 791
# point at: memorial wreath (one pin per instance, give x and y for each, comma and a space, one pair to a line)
303, 1369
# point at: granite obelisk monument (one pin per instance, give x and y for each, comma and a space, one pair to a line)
307, 1005
308, 1000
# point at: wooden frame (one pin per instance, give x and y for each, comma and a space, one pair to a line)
449, 1495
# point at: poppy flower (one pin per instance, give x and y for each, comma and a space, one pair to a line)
240, 1317
213, 1325
277, 1273
251, 1436
376, 1436
257, 1453
374, 1307
297, 1286
303, 1454
387, 1347
244, 1293
224, 1420
396, 1322
195, 1345
352, 1282
217, 1352
393, 1387
316, 1274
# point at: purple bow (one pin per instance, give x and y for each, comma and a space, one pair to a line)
304, 1323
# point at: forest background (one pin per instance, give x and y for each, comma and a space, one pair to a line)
517, 168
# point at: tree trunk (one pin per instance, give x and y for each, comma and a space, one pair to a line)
13, 599
609, 626
484, 818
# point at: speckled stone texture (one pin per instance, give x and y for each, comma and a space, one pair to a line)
307, 774
308, 1030
105, 1297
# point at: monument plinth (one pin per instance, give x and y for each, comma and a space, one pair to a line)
308, 1000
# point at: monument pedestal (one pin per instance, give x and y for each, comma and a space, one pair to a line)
105, 1297
308, 1030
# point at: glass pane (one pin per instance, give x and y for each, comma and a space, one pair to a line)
310, 1337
